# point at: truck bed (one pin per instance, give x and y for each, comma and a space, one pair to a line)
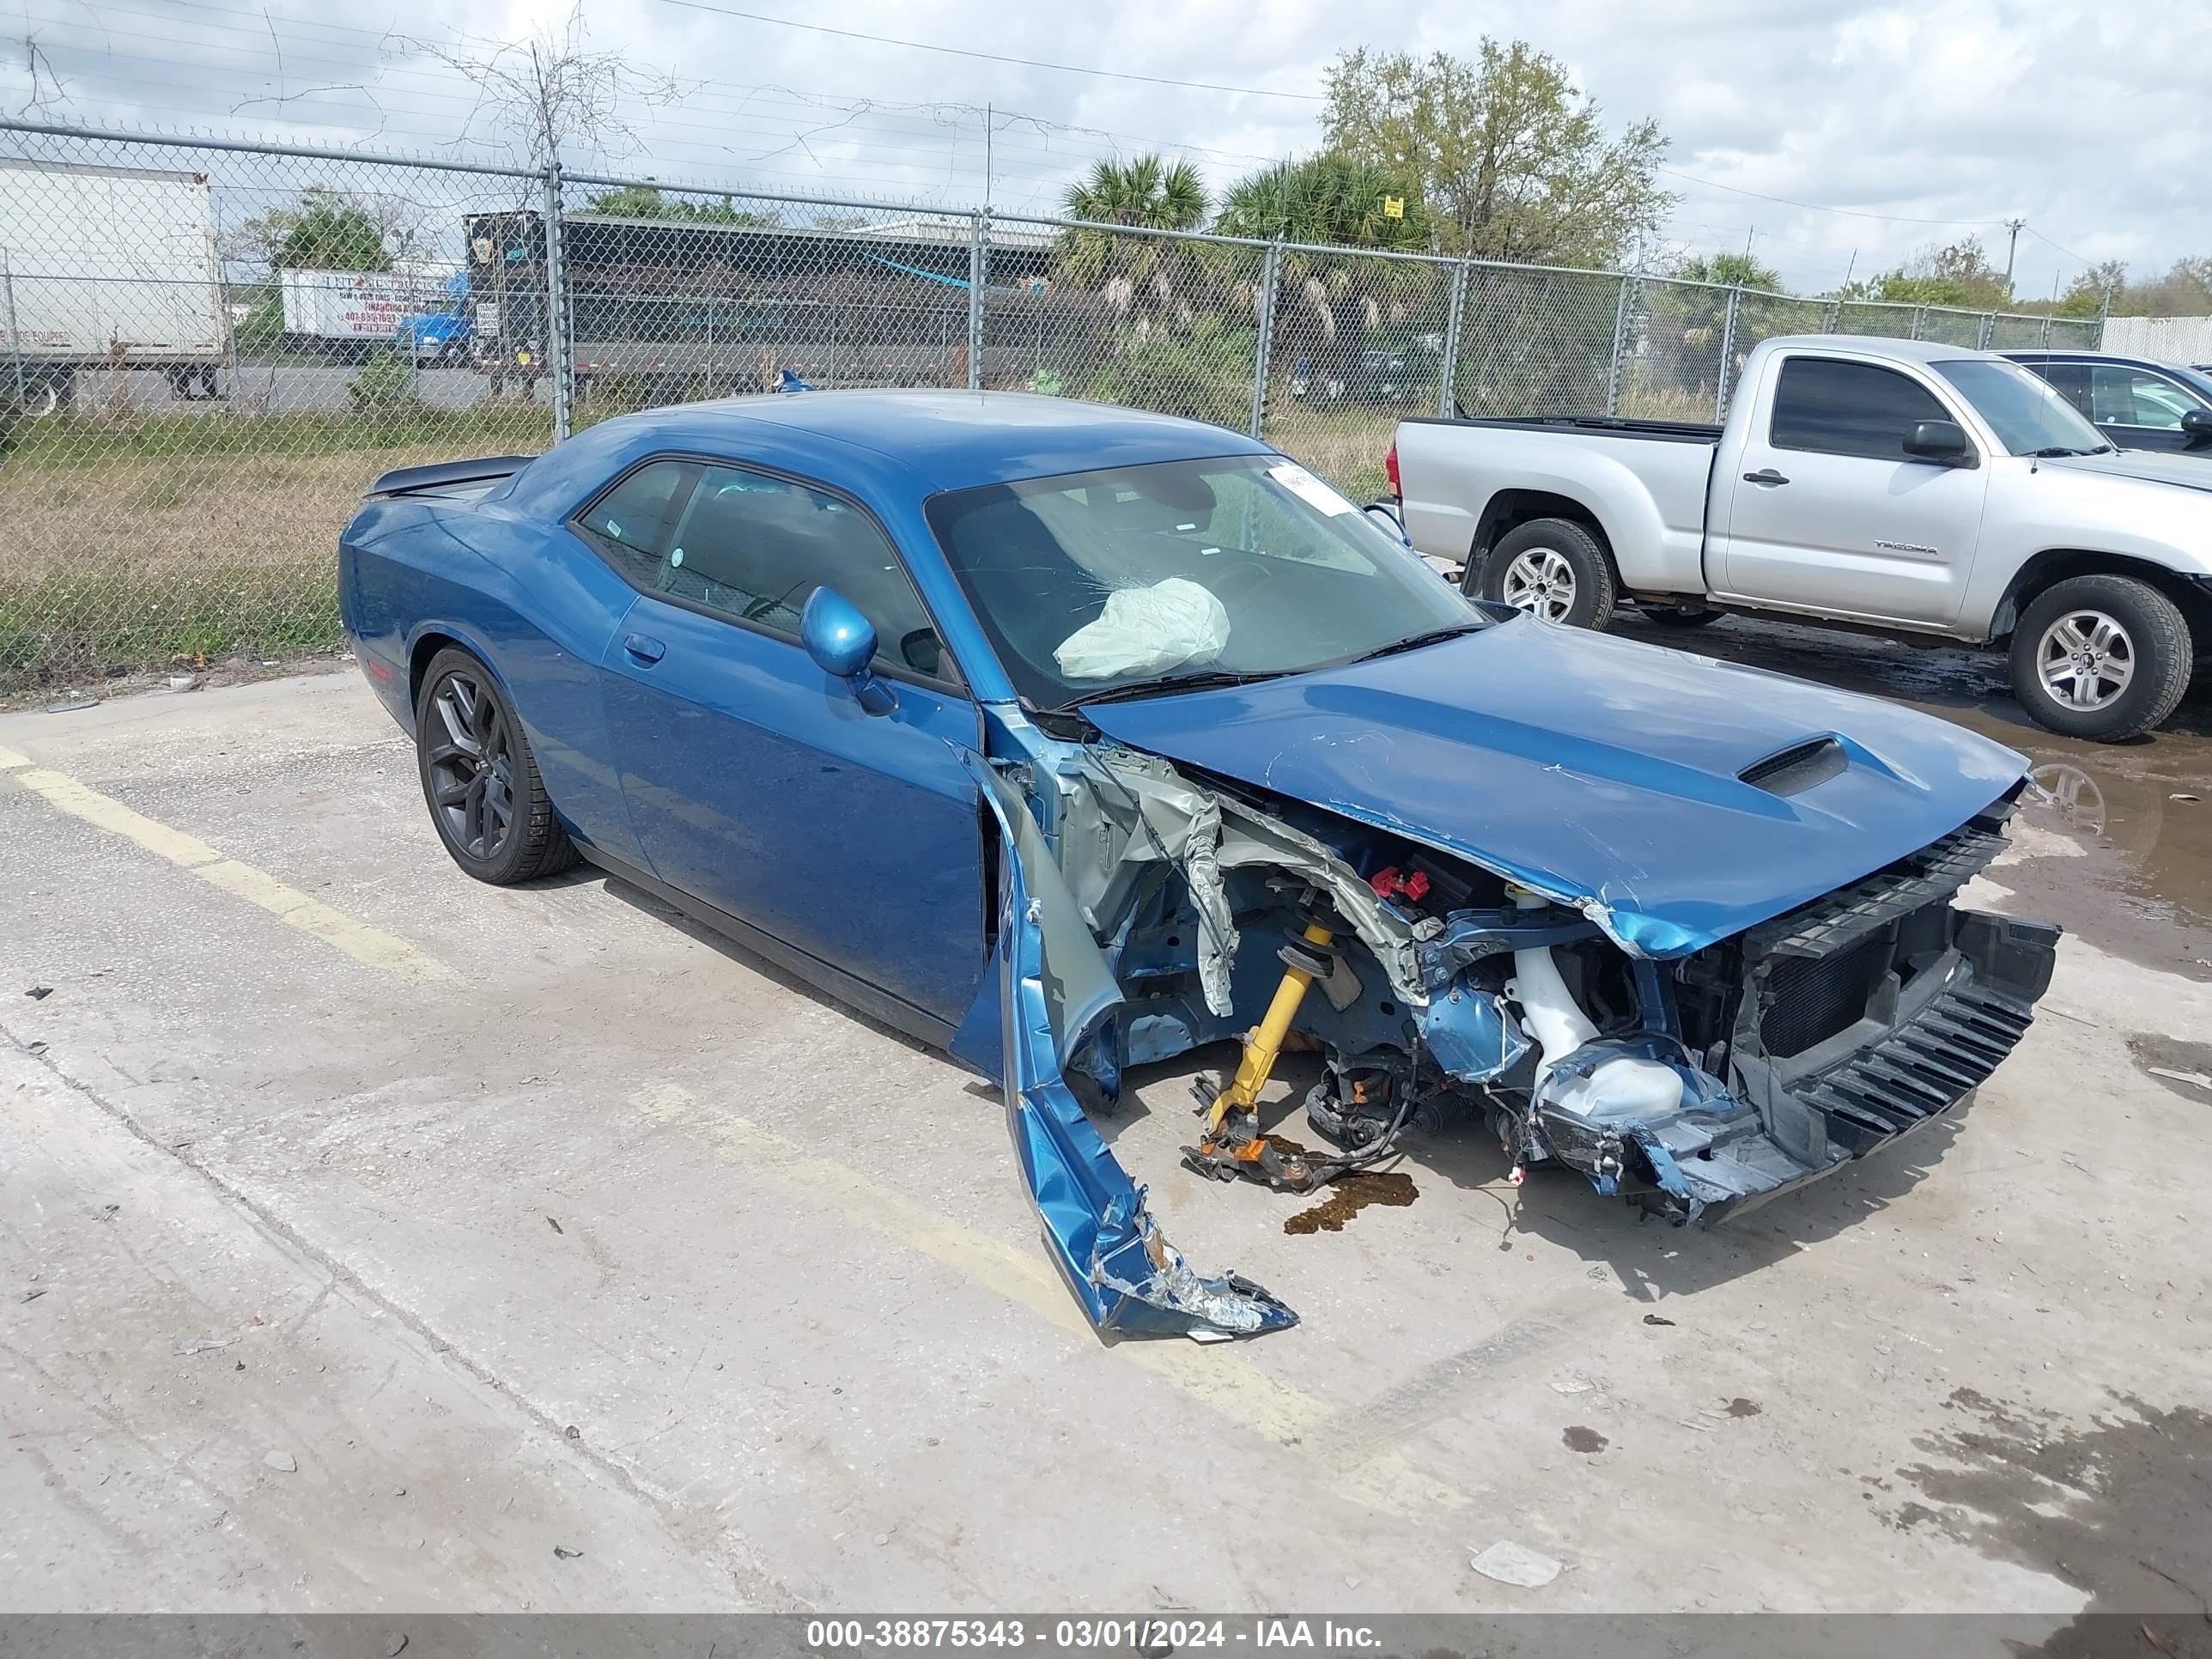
1595, 426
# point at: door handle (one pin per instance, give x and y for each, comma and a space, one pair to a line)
644, 647
1766, 476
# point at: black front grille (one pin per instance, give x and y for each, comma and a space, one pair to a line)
1811, 999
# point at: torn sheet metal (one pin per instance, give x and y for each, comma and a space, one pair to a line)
1137, 811
1055, 995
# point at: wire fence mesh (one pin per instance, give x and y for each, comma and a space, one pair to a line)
211, 348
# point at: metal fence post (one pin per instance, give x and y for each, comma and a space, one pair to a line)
1727, 357
1986, 332
1263, 349
1448, 379
559, 348
1919, 320
979, 229
1614, 365
2104, 314
14, 335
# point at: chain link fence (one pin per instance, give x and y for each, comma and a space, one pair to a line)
209, 349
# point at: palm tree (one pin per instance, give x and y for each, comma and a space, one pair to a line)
1147, 193
1339, 201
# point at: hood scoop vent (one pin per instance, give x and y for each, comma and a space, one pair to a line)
1801, 767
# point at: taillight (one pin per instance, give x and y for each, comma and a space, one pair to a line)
1391, 470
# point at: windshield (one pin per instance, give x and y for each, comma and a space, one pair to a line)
1246, 565
2023, 409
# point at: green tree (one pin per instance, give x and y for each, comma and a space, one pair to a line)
2186, 290
1331, 198
1954, 274
325, 230
1508, 157
1144, 275
1148, 192
1340, 304
646, 202
1728, 270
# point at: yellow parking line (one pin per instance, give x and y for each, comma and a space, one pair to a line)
1217, 1375
359, 941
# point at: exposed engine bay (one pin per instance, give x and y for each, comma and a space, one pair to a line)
1692, 1085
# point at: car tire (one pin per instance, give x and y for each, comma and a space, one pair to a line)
1669, 618
2103, 657
479, 778
1555, 569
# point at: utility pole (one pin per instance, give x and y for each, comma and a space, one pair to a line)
1747, 238
2013, 227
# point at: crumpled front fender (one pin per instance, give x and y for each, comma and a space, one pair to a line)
1054, 993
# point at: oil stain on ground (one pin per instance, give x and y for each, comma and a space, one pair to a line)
1348, 1196
2115, 1506
1581, 1439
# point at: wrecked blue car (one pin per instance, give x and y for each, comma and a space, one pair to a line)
1066, 737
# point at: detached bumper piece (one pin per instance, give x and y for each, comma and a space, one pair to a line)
1950, 1045
1863, 1016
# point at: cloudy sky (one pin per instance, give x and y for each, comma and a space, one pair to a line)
1832, 137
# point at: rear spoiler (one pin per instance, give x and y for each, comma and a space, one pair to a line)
410, 480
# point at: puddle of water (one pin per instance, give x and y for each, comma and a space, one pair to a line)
2114, 1506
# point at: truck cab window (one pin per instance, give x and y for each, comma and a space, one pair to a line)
1839, 407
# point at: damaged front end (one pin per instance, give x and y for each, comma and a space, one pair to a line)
1146, 911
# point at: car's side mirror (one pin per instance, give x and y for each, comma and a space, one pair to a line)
842, 643
2197, 427
1384, 517
1944, 442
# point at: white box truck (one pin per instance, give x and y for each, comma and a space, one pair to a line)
344, 314
105, 268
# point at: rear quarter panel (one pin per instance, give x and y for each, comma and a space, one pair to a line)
530, 600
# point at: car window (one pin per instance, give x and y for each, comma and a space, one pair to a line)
2072, 381
1848, 409
755, 548
631, 523
2135, 397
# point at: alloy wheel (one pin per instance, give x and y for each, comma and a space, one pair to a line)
1539, 581
471, 759
2085, 659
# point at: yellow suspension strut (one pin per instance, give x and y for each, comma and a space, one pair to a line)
1261, 1048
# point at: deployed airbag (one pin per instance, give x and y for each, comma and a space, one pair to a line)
1147, 630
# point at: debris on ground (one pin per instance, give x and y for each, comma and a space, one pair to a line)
1509, 1563
282, 1461
1654, 1319
1586, 1440
562, 1553
33, 1296
553, 1224
396, 1645
40, 992
189, 1345
2197, 1079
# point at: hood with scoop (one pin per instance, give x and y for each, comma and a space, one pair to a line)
1676, 800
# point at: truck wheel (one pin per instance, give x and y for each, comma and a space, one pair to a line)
1554, 570
2100, 657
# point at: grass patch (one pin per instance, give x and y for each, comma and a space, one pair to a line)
1345, 444
94, 439
133, 557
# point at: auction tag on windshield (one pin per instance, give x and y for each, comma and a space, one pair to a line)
1309, 490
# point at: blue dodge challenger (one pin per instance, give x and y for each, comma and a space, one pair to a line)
1066, 737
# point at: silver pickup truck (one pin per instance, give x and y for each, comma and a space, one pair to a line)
1900, 486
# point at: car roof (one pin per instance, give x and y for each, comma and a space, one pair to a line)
956, 439
1913, 351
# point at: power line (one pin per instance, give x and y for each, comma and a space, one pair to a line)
2067, 251
994, 57
1810, 207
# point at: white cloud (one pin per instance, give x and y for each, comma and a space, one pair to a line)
2091, 120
